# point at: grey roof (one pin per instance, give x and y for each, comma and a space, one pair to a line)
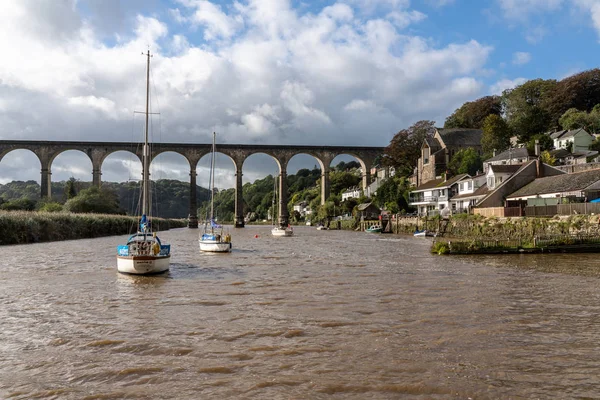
557, 134
559, 183
584, 153
364, 206
564, 153
441, 183
461, 136
573, 132
433, 144
429, 184
479, 192
503, 168
519, 152
560, 153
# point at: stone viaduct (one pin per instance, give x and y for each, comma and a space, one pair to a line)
47, 151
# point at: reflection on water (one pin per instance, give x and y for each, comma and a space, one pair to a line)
320, 314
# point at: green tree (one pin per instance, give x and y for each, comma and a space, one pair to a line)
547, 158
405, 147
496, 134
580, 91
94, 200
473, 113
574, 119
393, 191
23, 204
525, 108
70, 188
465, 161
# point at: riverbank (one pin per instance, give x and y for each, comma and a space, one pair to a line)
20, 227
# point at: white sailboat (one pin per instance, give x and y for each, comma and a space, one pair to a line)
278, 230
144, 254
213, 239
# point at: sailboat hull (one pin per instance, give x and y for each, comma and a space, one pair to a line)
215, 246
143, 265
281, 232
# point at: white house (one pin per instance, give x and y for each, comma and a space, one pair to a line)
512, 156
352, 193
497, 174
579, 138
433, 197
303, 208
470, 190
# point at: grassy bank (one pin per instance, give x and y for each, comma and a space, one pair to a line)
19, 227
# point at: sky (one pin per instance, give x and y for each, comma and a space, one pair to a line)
320, 72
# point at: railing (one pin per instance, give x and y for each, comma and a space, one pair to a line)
422, 199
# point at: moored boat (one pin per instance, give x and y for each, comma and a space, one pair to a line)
374, 229
144, 254
213, 238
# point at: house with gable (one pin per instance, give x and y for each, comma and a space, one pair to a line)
503, 180
437, 151
512, 156
565, 157
552, 190
470, 191
433, 197
579, 139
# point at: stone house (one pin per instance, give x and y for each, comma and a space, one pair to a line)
437, 151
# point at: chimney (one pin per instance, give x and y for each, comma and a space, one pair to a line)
494, 153
537, 148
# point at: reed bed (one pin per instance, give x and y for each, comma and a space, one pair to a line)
20, 227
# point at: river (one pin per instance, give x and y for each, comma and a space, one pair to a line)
321, 315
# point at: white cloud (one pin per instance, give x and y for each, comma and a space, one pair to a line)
216, 23
267, 74
503, 84
536, 34
521, 9
402, 19
593, 8
521, 58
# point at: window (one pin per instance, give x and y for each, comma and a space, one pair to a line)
470, 185
490, 182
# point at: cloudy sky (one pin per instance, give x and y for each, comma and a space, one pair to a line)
347, 72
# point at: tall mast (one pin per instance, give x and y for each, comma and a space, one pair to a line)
146, 155
212, 178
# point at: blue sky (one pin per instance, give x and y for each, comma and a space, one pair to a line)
351, 72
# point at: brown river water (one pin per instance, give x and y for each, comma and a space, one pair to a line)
321, 315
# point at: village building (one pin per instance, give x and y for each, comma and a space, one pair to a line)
512, 156
560, 189
565, 157
437, 151
576, 139
470, 191
303, 208
368, 211
433, 197
352, 193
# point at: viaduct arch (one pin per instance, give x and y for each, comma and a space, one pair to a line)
47, 151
